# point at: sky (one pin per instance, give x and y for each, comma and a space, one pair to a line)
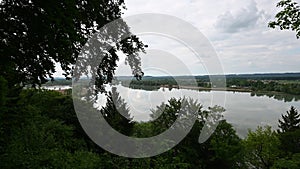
237, 30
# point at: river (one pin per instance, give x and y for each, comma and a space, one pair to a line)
243, 109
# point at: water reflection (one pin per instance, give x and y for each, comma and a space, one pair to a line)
278, 96
244, 110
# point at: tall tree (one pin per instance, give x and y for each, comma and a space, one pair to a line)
290, 131
116, 112
290, 121
35, 34
288, 18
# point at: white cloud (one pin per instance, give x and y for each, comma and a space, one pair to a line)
245, 18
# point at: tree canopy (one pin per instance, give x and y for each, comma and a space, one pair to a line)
116, 113
36, 34
261, 147
290, 121
288, 18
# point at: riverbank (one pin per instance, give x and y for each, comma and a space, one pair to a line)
215, 88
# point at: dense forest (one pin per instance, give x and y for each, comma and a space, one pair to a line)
39, 129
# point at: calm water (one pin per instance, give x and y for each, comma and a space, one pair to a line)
243, 110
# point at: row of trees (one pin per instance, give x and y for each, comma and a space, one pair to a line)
260, 85
253, 85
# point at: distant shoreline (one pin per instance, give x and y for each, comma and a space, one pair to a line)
215, 89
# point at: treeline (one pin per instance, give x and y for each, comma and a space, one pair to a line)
156, 83
265, 85
252, 85
285, 83
266, 76
39, 129
59, 82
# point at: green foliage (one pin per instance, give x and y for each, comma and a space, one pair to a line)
290, 141
3, 91
41, 130
36, 138
222, 150
255, 84
227, 147
289, 17
261, 148
290, 121
35, 34
117, 114
290, 132
265, 85
288, 163
165, 115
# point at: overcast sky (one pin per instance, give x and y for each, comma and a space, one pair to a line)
237, 29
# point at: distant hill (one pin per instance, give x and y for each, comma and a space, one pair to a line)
267, 76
